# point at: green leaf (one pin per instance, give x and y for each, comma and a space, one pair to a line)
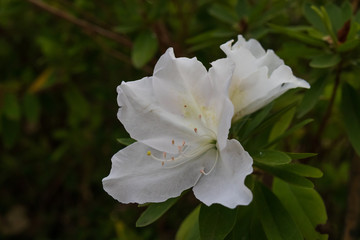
335, 15
144, 49
313, 18
297, 33
125, 141
270, 157
350, 103
256, 119
223, 13
325, 61
242, 8
289, 131
302, 170
274, 218
31, 108
77, 103
11, 107
311, 97
285, 174
281, 125
10, 131
216, 221
305, 207
296, 156
154, 212
189, 228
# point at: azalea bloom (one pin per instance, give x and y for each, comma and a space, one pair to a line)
260, 76
180, 118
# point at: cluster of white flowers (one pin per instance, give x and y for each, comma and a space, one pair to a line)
181, 118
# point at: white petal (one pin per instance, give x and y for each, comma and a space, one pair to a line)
147, 122
136, 177
221, 74
225, 184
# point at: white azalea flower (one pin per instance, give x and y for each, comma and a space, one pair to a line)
260, 76
180, 118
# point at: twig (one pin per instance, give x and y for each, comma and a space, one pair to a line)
330, 106
82, 23
352, 217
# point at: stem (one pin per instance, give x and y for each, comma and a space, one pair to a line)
330, 106
82, 23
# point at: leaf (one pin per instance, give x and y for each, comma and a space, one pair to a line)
223, 13
10, 132
125, 141
216, 221
304, 205
256, 119
350, 103
274, 218
302, 170
270, 157
335, 15
311, 97
313, 18
285, 174
325, 61
189, 228
297, 33
242, 8
282, 124
11, 107
296, 156
144, 49
42, 81
154, 212
31, 108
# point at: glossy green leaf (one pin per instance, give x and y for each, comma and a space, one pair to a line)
125, 141
311, 97
350, 103
296, 156
223, 13
302, 170
189, 228
154, 212
274, 218
144, 49
313, 18
31, 108
270, 157
255, 120
285, 174
281, 125
336, 15
11, 106
325, 61
304, 205
216, 221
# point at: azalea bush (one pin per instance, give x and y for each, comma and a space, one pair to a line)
180, 119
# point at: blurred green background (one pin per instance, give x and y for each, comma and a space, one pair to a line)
62, 60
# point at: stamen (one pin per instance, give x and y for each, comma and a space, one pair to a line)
195, 130
200, 116
162, 163
172, 158
173, 142
148, 153
164, 154
212, 168
183, 143
185, 106
202, 171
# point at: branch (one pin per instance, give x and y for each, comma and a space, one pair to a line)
82, 23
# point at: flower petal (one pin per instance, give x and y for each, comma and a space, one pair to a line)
136, 177
147, 122
225, 184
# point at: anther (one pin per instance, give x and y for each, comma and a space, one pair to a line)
172, 158
200, 116
173, 142
185, 106
195, 130
202, 171
164, 154
183, 143
162, 163
148, 153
